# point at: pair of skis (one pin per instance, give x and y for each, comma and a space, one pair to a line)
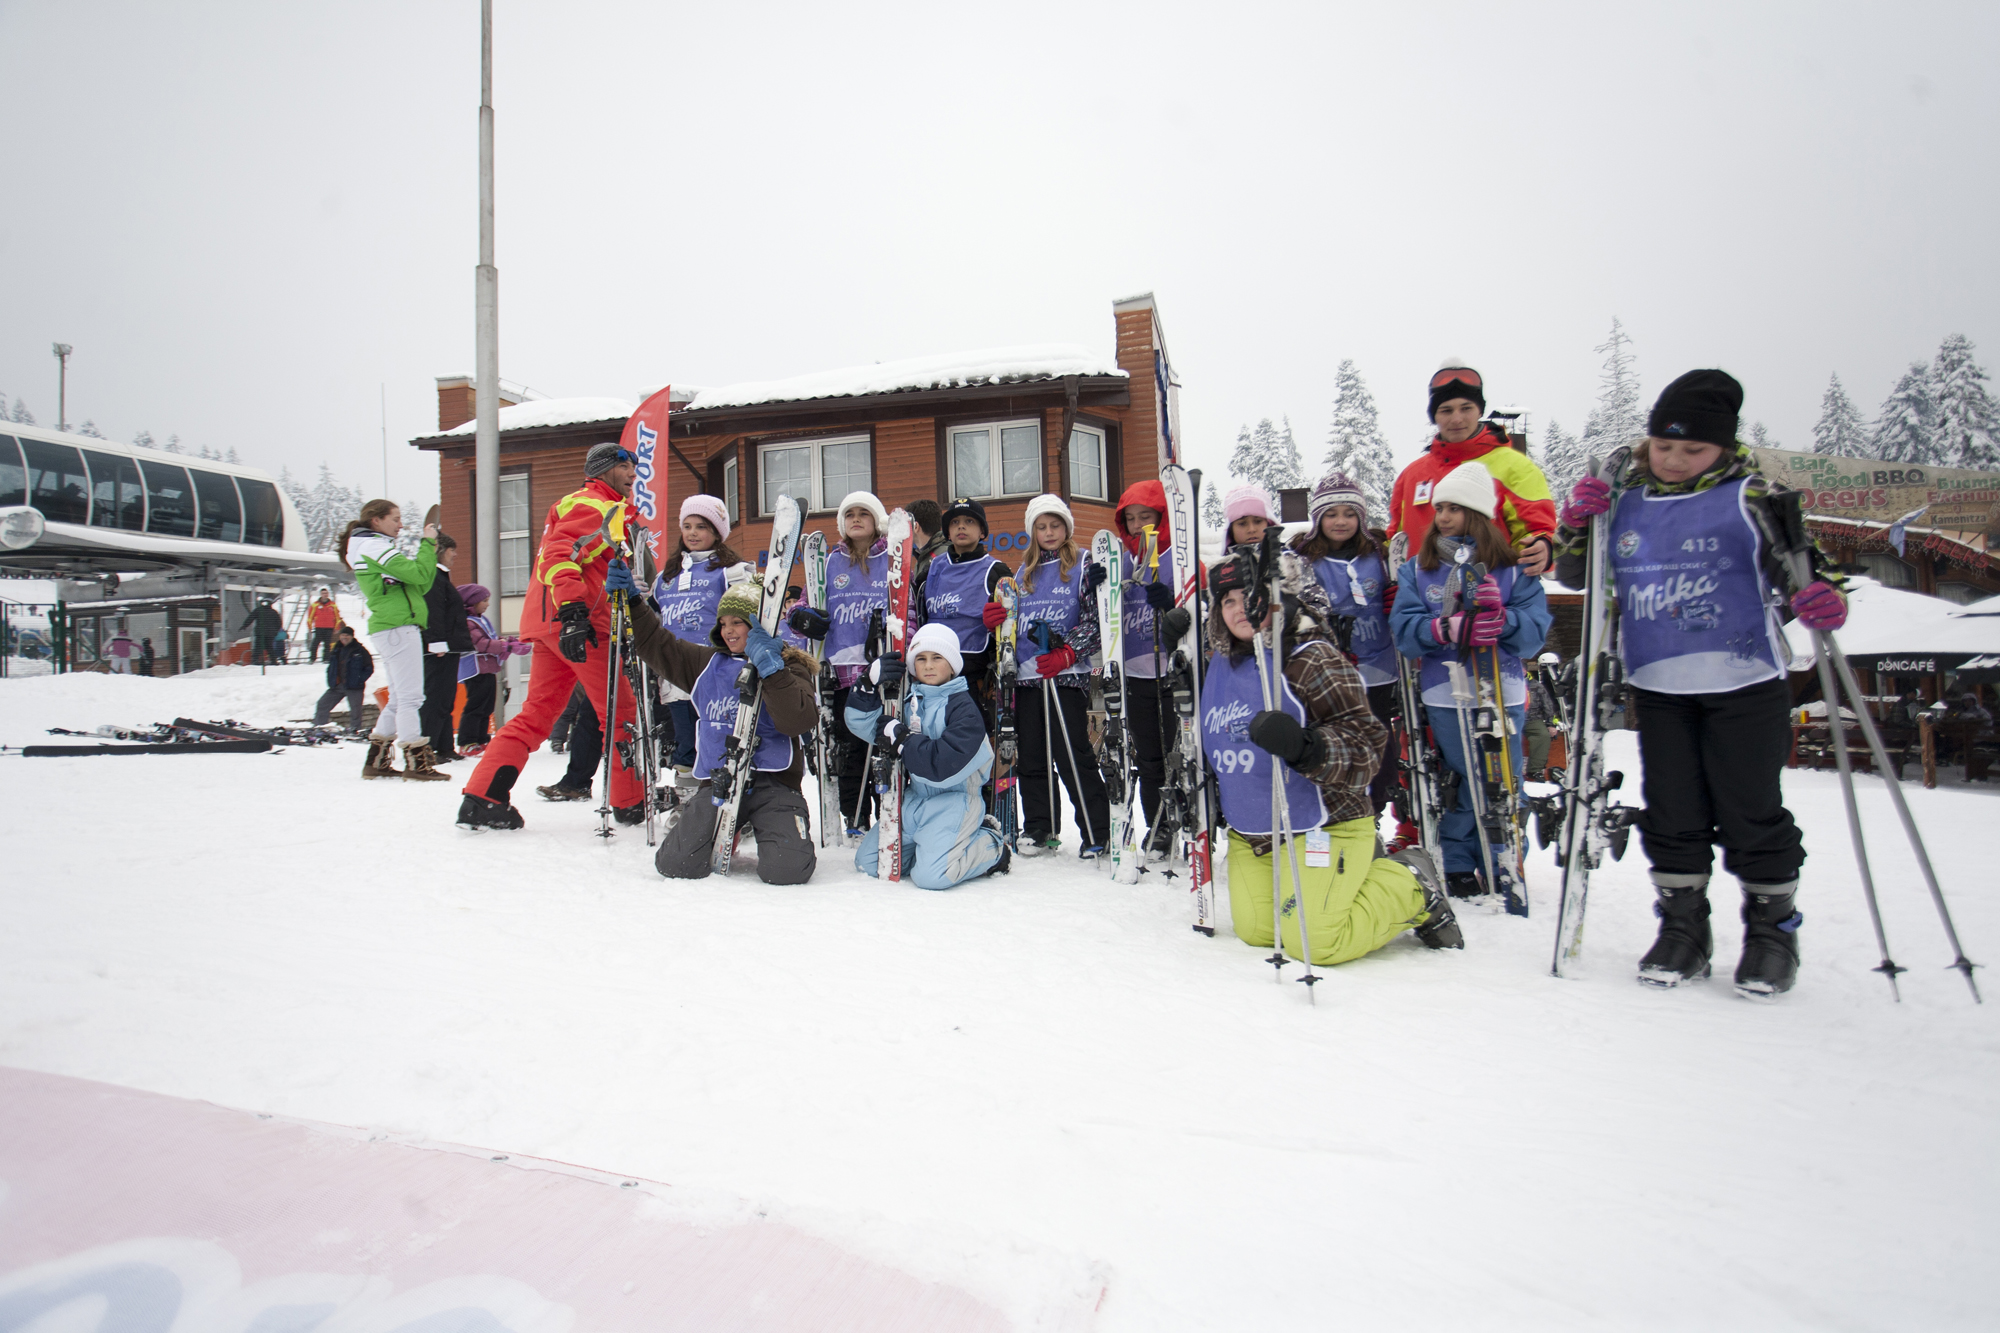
1483, 728
888, 772
823, 754
1266, 598
1186, 775
730, 779
1006, 744
1415, 758
633, 739
1115, 754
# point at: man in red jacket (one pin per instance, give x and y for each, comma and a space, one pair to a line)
567, 618
1458, 399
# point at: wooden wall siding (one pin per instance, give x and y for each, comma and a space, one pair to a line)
553, 472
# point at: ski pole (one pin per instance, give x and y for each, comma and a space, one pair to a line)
1053, 700
610, 712
1275, 609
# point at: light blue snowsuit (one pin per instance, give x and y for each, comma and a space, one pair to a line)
946, 759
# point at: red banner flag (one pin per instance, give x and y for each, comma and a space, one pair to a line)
645, 438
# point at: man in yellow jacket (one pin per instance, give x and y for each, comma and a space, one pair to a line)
1458, 400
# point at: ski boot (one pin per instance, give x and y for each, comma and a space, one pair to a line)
381, 760
1770, 962
1407, 836
1090, 853
420, 764
1464, 884
1440, 928
1160, 840
1682, 951
1006, 853
558, 792
629, 814
476, 812
1049, 846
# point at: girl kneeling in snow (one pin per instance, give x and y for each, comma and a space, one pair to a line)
773, 808
940, 740
1330, 744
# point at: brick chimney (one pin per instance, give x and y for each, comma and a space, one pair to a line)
1139, 333
456, 400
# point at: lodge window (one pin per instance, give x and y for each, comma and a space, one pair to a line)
729, 490
815, 473
996, 458
515, 556
1888, 571
1089, 466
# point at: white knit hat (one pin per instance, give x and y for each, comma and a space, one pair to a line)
1049, 504
939, 639
865, 500
1470, 486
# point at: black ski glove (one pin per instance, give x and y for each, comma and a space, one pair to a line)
1288, 738
1174, 626
885, 671
579, 636
811, 622
1094, 579
1160, 597
890, 738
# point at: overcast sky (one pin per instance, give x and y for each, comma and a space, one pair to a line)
247, 218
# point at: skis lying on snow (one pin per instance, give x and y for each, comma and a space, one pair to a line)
1115, 755
230, 729
888, 773
730, 778
1590, 823
1185, 773
153, 747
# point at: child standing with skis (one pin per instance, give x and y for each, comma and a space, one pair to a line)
1322, 731
687, 591
1057, 637
857, 589
940, 740
1699, 585
959, 587
1347, 561
1505, 616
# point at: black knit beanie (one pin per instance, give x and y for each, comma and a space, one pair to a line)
966, 509
1700, 405
1470, 387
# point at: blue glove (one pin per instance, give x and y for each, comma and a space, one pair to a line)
1160, 597
618, 578
764, 651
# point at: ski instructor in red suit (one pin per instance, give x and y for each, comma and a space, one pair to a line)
567, 618
1458, 400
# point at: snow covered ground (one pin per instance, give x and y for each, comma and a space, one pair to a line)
1038, 1086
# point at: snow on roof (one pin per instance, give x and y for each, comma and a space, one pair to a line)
992, 365
553, 412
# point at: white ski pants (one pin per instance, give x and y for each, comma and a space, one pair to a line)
400, 651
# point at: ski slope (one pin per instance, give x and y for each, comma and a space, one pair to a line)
1042, 1087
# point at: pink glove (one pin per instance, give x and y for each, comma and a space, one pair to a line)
1487, 627
1589, 497
1445, 629
520, 647
1820, 607
1487, 596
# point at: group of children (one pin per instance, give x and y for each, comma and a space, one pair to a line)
1700, 586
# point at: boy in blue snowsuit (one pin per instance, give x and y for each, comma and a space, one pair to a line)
940, 740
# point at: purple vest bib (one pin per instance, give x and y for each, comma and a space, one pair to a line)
1355, 589
853, 593
688, 601
1692, 618
955, 596
715, 705
1231, 694
1053, 603
1435, 677
1138, 627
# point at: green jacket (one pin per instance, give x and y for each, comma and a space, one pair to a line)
393, 583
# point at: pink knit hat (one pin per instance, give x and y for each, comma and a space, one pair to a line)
1246, 502
710, 508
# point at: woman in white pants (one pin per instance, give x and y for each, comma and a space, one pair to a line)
394, 584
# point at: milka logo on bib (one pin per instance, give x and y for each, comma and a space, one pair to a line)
1668, 597
1628, 543
852, 613
1231, 719
722, 713
945, 603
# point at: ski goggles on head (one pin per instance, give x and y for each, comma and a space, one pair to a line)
1463, 374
